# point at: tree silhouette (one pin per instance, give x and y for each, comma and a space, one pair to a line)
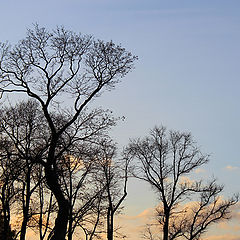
52, 66
165, 159
21, 128
113, 175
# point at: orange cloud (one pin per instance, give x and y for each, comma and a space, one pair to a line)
231, 168
147, 213
186, 180
200, 170
229, 227
236, 212
223, 237
134, 226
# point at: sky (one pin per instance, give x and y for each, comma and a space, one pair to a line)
186, 78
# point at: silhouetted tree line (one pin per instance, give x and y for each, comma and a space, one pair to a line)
60, 172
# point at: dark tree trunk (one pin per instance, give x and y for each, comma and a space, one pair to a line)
110, 217
24, 224
70, 225
6, 211
166, 226
61, 221
26, 207
6, 223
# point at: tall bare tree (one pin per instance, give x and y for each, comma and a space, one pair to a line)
208, 209
21, 127
25, 138
8, 177
82, 191
113, 175
55, 66
165, 159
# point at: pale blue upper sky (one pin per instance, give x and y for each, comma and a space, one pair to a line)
187, 76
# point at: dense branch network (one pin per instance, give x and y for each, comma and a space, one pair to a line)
63, 72
165, 159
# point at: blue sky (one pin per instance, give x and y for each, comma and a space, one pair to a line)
187, 76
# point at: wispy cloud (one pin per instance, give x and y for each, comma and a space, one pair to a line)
186, 180
135, 225
229, 227
144, 215
223, 237
200, 170
236, 212
231, 168
168, 11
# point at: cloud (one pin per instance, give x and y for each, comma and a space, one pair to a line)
235, 213
134, 226
223, 237
229, 227
168, 11
231, 168
186, 180
144, 215
200, 170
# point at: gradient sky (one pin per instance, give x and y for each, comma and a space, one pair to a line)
187, 76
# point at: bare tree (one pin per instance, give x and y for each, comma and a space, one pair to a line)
48, 66
82, 192
95, 184
165, 160
209, 209
21, 127
8, 179
113, 175
149, 233
43, 205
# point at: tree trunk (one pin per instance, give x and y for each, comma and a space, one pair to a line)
6, 223
70, 232
166, 226
110, 224
24, 225
26, 205
61, 221
6, 211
